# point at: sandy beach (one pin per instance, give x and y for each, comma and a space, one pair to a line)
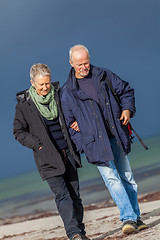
101, 220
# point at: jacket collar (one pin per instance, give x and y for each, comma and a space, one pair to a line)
72, 84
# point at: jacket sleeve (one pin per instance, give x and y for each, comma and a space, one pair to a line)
124, 92
66, 103
21, 131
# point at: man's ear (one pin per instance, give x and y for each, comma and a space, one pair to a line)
71, 63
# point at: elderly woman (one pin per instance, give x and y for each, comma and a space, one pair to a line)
40, 126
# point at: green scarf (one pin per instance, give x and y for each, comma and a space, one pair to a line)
50, 113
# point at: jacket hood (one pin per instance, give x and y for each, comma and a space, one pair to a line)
23, 96
72, 84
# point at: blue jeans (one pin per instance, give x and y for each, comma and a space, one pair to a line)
119, 180
67, 198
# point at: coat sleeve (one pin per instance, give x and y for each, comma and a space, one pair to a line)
21, 131
70, 117
124, 92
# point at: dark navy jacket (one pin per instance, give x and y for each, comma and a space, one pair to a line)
77, 106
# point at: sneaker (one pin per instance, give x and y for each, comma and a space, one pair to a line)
129, 227
141, 225
77, 237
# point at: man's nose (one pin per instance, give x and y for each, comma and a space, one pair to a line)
45, 86
84, 66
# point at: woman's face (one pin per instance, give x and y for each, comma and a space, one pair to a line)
42, 84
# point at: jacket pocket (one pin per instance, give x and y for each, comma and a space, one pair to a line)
88, 145
40, 156
88, 137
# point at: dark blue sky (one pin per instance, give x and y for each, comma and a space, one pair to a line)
123, 36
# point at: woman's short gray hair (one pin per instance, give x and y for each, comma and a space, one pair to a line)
38, 70
77, 47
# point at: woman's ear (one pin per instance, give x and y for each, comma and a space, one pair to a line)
32, 83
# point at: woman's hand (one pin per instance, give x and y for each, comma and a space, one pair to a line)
75, 127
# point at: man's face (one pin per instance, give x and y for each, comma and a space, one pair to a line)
81, 63
42, 85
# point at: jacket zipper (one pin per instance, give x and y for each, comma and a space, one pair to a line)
106, 103
94, 112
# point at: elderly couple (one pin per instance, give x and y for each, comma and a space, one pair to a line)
82, 116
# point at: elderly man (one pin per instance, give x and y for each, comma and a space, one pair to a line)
98, 126
39, 125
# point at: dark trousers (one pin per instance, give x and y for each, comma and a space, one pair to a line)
67, 198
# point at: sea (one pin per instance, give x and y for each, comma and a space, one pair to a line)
28, 194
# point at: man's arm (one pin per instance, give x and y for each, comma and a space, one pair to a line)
70, 121
125, 94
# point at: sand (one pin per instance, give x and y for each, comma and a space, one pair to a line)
101, 220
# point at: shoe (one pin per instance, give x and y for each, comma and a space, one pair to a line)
129, 227
77, 237
141, 225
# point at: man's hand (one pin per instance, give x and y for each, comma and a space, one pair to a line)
125, 116
75, 127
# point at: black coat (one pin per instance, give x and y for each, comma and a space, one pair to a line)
31, 131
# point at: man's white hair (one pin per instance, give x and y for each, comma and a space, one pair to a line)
76, 48
38, 70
